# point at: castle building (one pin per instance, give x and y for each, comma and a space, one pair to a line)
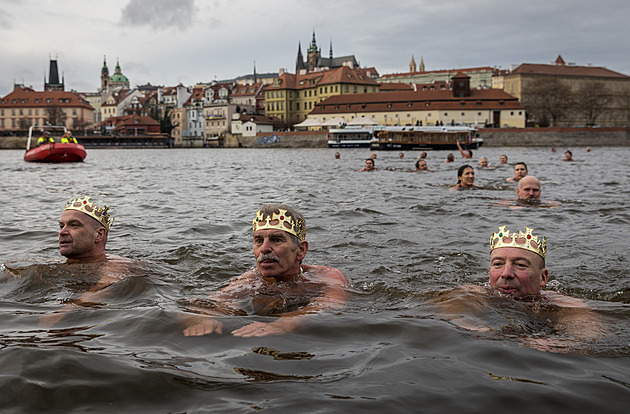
315, 62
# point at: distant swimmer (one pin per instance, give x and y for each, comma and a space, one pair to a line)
568, 156
421, 165
373, 156
464, 153
337, 155
520, 171
450, 157
422, 155
503, 159
280, 286
465, 178
401, 155
483, 163
529, 195
369, 165
518, 271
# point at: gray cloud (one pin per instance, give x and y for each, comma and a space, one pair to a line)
159, 14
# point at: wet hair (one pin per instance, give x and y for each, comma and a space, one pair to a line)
461, 170
371, 159
570, 153
269, 209
417, 164
521, 163
450, 156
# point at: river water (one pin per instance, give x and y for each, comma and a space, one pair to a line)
402, 238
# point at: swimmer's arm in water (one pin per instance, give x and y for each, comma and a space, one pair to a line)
220, 302
460, 304
333, 297
94, 295
577, 323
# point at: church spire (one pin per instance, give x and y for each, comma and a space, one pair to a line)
299, 62
412, 65
421, 65
331, 53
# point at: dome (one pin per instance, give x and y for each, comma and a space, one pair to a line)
119, 78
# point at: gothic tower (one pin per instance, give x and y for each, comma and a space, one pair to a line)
53, 83
299, 62
412, 65
421, 65
104, 76
313, 56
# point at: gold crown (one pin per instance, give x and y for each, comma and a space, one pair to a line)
283, 221
520, 240
84, 205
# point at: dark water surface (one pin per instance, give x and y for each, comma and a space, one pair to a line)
185, 216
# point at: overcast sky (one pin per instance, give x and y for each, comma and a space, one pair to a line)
167, 42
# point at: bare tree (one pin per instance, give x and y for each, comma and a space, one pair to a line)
24, 123
624, 106
591, 101
55, 115
547, 100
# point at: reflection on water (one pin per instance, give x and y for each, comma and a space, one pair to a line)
402, 238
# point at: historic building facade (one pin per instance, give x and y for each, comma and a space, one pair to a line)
25, 107
615, 110
315, 61
480, 77
459, 104
293, 96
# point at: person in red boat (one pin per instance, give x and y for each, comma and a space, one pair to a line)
45, 138
68, 138
280, 285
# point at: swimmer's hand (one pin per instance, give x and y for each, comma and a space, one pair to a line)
280, 326
204, 326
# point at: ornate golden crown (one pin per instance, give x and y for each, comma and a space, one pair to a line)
84, 205
282, 221
521, 240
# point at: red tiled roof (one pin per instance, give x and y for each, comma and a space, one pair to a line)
566, 70
343, 74
416, 101
28, 98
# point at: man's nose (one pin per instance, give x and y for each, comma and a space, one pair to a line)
507, 272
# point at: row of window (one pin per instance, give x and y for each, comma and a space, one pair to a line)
32, 121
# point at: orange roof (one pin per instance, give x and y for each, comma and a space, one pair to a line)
343, 74
28, 98
565, 70
417, 101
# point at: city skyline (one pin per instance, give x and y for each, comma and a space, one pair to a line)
168, 42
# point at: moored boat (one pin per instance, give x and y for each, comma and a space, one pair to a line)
352, 137
426, 138
53, 151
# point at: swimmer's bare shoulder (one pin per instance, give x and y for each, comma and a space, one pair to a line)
325, 274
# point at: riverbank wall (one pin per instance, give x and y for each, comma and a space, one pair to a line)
493, 137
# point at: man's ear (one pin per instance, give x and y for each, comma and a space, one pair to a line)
544, 277
101, 234
302, 249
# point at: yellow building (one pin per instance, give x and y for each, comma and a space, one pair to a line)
292, 97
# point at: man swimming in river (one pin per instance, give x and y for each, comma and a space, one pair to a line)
280, 285
518, 271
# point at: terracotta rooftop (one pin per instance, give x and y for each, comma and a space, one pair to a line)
27, 97
416, 101
343, 75
566, 70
